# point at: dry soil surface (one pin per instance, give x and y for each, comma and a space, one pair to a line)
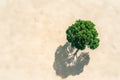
31, 32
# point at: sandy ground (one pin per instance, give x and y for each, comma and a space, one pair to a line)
32, 34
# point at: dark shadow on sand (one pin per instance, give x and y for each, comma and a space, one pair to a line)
62, 60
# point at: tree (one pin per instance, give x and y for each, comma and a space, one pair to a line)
81, 34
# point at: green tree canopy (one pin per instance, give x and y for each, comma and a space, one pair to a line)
83, 33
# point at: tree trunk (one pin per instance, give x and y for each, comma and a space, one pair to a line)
76, 52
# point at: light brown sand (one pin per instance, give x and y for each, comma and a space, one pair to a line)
32, 30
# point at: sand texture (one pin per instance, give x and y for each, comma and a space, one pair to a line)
33, 43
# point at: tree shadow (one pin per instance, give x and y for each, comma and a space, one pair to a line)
62, 61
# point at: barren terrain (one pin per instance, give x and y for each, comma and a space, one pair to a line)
32, 34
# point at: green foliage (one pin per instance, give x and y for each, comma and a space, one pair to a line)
83, 33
